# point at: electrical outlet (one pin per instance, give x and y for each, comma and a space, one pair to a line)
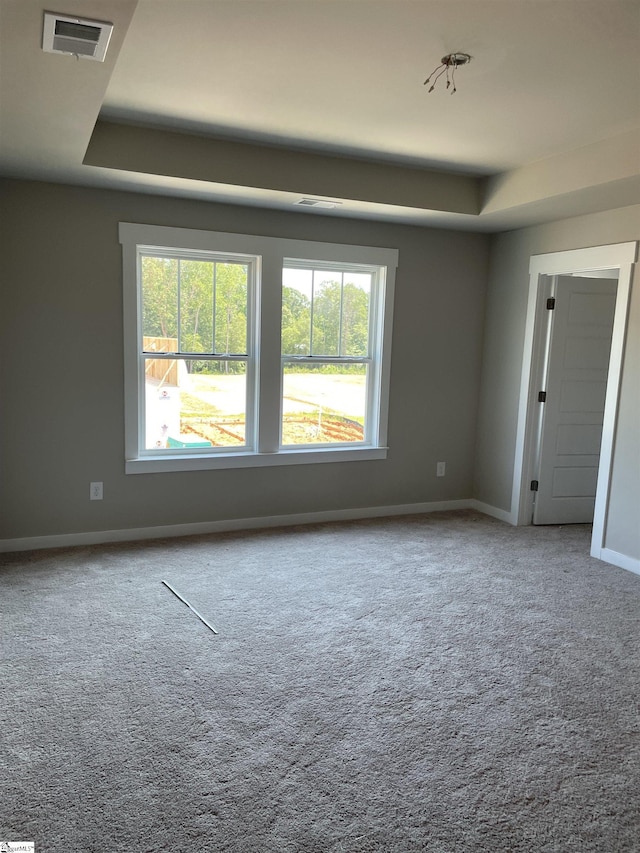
440, 468
95, 491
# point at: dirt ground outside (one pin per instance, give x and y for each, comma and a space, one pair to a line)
318, 409
230, 433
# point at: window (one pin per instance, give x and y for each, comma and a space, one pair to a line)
328, 368
244, 351
197, 350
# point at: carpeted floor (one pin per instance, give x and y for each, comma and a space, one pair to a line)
441, 683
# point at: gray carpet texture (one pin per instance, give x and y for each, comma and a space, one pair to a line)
442, 683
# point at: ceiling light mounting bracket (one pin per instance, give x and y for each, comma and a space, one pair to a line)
448, 65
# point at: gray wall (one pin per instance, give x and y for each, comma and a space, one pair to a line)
506, 309
61, 392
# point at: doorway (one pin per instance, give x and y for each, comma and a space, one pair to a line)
614, 262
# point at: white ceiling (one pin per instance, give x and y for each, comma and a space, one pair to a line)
548, 110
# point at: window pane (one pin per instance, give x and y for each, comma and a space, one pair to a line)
196, 306
192, 403
356, 298
324, 404
160, 301
327, 287
339, 301
296, 311
231, 308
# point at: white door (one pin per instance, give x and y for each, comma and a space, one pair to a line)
572, 413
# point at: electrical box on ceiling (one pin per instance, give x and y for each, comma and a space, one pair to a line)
75, 36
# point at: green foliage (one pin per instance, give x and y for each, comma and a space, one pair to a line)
231, 308
326, 319
296, 322
212, 297
208, 300
332, 302
160, 297
196, 306
191, 405
327, 369
355, 321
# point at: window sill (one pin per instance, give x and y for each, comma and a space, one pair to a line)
192, 462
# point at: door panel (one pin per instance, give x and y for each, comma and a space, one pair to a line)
578, 438
578, 396
576, 384
576, 481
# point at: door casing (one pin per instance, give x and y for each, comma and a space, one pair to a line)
542, 269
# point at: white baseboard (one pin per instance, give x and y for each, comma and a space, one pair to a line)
631, 564
493, 511
98, 537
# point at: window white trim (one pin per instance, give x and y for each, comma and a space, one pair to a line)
270, 254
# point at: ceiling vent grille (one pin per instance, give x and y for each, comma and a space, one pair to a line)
75, 36
316, 202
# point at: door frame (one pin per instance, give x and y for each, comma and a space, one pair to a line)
542, 269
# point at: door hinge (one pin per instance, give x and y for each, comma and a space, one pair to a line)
542, 396
534, 485
551, 303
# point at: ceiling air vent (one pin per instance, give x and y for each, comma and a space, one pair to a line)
75, 36
316, 202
